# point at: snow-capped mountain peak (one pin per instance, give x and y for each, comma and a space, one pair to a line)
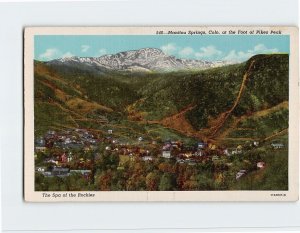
146, 59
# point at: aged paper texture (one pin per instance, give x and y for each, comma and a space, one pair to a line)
161, 114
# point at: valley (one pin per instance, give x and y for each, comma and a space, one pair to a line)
161, 129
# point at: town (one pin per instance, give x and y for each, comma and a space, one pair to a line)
76, 151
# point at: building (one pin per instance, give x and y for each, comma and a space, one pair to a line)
226, 152
215, 157
46, 173
240, 174
188, 154
70, 157
166, 154
40, 145
261, 165
40, 169
40, 141
51, 132
178, 160
82, 172
167, 146
92, 141
199, 153
60, 171
277, 145
147, 158
67, 141
233, 151
40, 148
256, 143
239, 149
75, 145
115, 141
201, 145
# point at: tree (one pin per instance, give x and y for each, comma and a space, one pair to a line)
204, 181
167, 182
104, 181
152, 181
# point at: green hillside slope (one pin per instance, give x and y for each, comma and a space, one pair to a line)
211, 101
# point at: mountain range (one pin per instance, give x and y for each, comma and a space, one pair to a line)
246, 101
142, 60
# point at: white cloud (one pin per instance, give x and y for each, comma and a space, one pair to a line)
49, 54
84, 48
238, 56
67, 54
208, 52
101, 52
186, 51
169, 48
261, 48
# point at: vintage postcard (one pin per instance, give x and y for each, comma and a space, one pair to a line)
161, 114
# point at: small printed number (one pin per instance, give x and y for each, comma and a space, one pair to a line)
278, 194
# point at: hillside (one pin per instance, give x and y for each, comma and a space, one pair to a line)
223, 128
244, 101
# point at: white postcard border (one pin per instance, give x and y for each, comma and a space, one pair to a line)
187, 196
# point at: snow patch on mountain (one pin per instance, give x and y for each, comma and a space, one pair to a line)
146, 59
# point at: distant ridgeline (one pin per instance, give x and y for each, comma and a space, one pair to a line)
246, 101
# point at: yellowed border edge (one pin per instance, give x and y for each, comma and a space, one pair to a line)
28, 115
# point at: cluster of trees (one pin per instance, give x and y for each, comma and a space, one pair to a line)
163, 94
73, 182
115, 93
158, 175
267, 85
273, 177
153, 176
110, 173
263, 126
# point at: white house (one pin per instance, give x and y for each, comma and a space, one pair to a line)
261, 165
40, 149
215, 157
40, 169
240, 174
256, 143
147, 158
277, 145
166, 154
199, 153
51, 132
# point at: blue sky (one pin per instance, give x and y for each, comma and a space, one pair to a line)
235, 48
